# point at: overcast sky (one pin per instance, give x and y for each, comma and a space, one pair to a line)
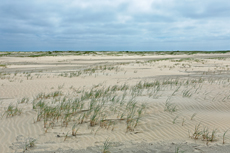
114, 25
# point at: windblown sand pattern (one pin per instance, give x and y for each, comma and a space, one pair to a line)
79, 101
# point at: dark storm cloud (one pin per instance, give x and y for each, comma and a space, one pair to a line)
114, 25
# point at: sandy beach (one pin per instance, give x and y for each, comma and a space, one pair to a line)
115, 103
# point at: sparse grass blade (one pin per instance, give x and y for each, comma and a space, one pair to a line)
106, 146
224, 136
193, 115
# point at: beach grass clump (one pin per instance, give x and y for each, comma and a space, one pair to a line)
207, 136
49, 95
11, 111
95, 115
106, 146
95, 107
145, 85
176, 90
23, 100
133, 115
106, 123
170, 107
187, 93
197, 132
74, 129
91, 70
204, 134
29, 143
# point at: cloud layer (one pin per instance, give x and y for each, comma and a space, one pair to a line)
114, 25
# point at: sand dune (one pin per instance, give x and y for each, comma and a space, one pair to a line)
176, 95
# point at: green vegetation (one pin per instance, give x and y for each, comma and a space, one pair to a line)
169, 107
177, 150
23, 100
91, 106
224, 136
90, 71
12, 111
193, 115
174, 120
3, 65
101, 106
108, 53
204, 134
106, 146
108, 108
29, 143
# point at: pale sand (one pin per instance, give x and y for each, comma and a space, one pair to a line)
155, 132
